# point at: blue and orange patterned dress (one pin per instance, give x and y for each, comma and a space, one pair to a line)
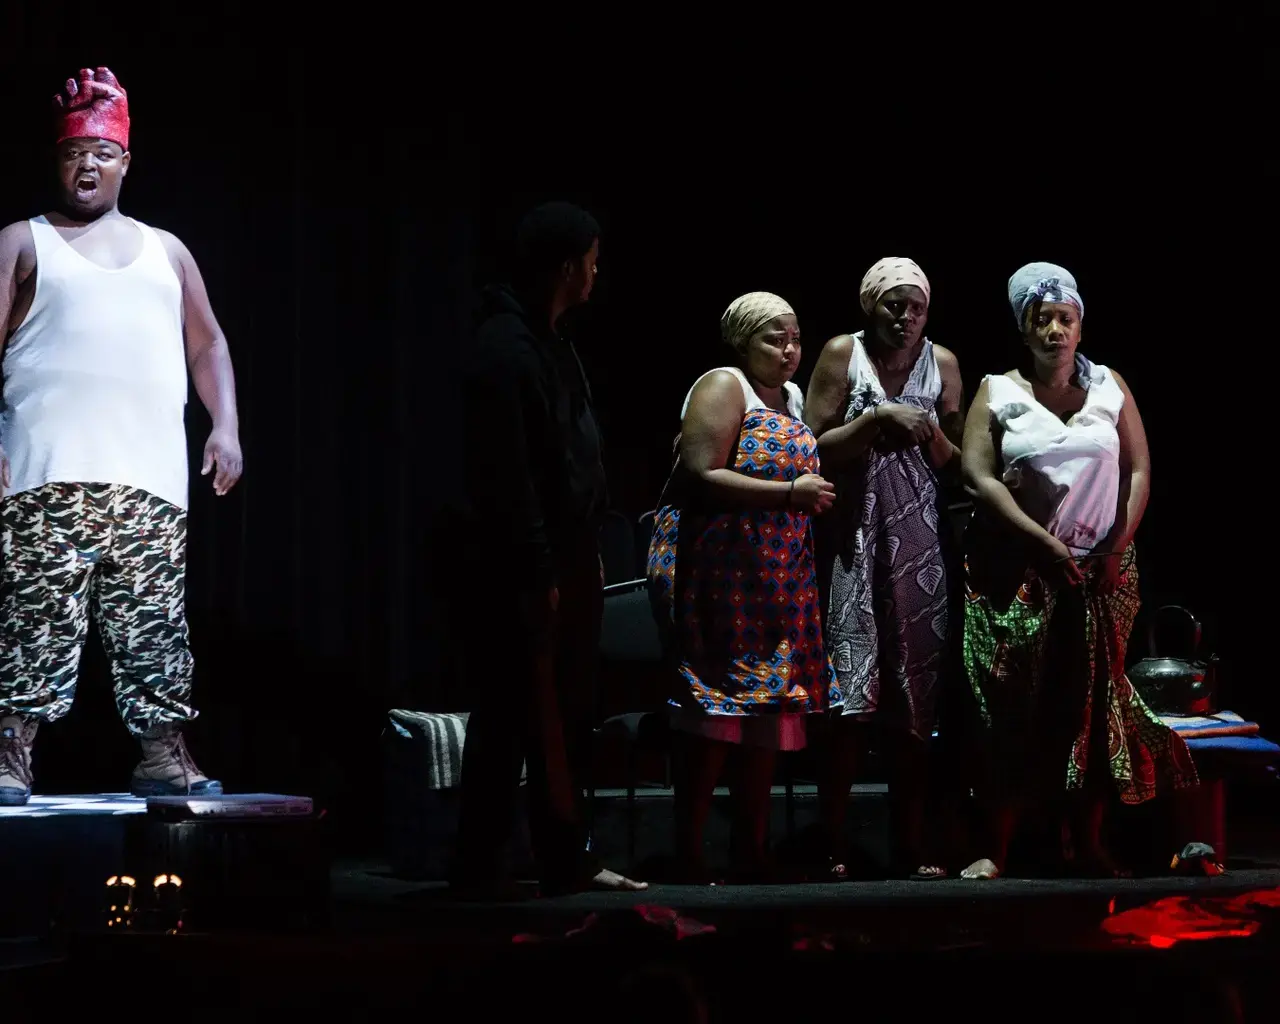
739, 589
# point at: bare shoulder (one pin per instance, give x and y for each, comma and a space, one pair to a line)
946, 358
16, 239
166, 236
982, 394
17, 232
1120, 381
718, 384
172, 243
17, 252
839, 346
716, 395
833, 364
180, 258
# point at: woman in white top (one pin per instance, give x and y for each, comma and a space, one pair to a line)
1056, 460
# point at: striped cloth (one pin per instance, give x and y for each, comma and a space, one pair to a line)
440, 736
1224, 723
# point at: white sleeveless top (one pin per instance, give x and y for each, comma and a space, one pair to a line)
1065, 476
923, 386
795, 399
95, 378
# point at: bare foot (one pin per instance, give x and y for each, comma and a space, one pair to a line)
981, 870
929, 873
611, 881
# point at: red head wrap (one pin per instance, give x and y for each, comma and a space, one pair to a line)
95, 107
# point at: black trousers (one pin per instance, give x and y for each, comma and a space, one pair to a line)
534, 700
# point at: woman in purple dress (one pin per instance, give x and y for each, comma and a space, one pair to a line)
886, 404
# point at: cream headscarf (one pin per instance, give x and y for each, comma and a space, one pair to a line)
888, 274
747, 314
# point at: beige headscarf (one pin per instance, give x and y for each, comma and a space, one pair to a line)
747, 314
888, 274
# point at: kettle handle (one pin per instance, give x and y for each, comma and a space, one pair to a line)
1155, 622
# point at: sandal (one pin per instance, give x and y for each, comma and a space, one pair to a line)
982, 870
841, 864
1198, 858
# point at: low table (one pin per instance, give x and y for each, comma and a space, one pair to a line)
1236, 750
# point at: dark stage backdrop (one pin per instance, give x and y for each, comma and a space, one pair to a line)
340, 251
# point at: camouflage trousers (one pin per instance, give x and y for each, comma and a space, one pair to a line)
119, 553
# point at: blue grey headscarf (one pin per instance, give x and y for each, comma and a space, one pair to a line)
1042, 282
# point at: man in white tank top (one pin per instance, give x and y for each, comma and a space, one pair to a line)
101, 318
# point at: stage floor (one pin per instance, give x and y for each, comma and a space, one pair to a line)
365, 898
1012, 912
398, 946
363, 940
755, 952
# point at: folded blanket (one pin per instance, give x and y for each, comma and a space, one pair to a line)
437, 739
432, 741
1224, 723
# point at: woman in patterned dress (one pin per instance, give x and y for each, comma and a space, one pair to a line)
731, 573
1056, 460
886, 405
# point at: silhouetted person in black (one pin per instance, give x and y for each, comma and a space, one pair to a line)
530, 592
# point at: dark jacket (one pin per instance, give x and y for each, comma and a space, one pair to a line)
534, 479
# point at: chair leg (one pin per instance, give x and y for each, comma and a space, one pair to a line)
789, 777
632, 768
591, 792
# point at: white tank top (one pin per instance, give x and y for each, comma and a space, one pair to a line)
1065, 476
792, 393
95, 378
924, 384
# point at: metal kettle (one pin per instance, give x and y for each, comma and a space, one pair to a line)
1176, 685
